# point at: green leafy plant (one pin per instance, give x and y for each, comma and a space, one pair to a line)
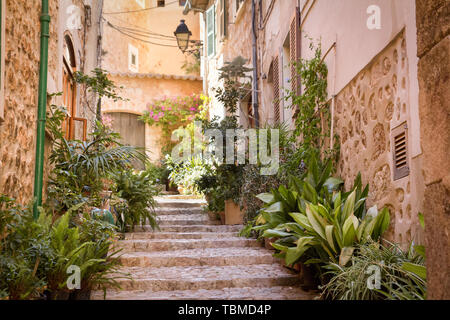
137, 192
100, 85
186, 173
396, 282
80, 167
24, 250
72, 249
314, 219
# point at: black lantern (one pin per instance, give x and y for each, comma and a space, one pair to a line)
183, 34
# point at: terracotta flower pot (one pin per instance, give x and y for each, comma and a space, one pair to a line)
233, 213
222, 216
214, 216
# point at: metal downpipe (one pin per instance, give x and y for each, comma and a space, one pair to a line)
42, 109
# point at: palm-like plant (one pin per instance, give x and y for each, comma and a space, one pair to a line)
80, 166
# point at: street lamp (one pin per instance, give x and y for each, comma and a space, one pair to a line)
183, 34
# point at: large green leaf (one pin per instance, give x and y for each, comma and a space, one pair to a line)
276, 207
349, 232
329, 236
302, 220
309, 193
417, 269
266, 197
293, 227
349, 206
293, 254
313, 220
273, 233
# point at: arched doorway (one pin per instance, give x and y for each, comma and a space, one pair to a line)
131, 130
70, 129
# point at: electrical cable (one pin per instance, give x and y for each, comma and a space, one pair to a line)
140, 10
136, 38
135, 33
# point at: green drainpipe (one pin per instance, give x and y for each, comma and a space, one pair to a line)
42, 109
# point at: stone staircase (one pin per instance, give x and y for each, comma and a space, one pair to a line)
193, 257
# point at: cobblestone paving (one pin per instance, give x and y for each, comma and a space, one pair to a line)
193, 257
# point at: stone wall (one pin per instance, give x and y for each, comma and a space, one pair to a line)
433, 32
374, 103
21, 83
18, 131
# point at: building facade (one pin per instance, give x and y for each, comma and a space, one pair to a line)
73, 46
372, 50
147, 64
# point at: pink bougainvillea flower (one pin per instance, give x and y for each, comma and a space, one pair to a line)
193, 109
161, 114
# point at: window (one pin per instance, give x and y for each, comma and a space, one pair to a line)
211, 31
141, 3
133, 58
2, 58
161, 3
223, 23
71, 127
274, 78
295, 50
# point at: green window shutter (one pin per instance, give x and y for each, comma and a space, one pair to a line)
211, 31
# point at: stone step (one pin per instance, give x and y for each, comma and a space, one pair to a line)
186, 220
199, 257
184, 216
247, 293
207, 277
191, 228
166, 202
182, 235
185, 244
176, 211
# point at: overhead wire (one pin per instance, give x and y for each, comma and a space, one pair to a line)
140, 10
136, 36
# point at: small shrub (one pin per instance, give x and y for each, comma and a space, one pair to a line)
397, 282
136, 202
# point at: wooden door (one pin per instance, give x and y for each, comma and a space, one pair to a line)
132, 130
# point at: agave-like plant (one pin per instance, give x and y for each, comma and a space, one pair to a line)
316, 222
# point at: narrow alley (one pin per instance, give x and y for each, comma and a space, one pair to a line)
195, 258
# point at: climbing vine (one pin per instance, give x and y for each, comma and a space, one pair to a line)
312, 112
